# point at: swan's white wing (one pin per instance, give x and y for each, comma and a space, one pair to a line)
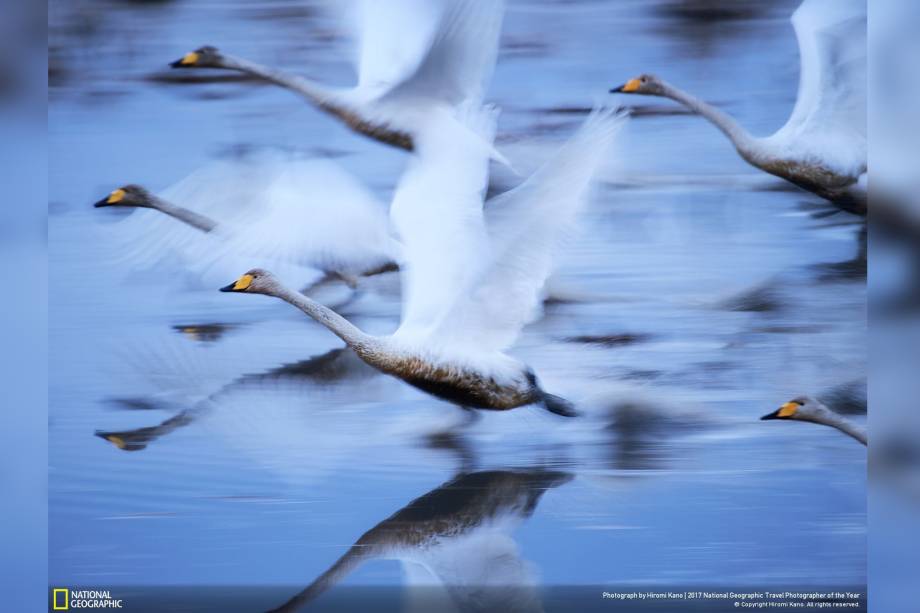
525, 226
272, 210
313, 213
461, 58
392, 39
217, 190
440, 50
437, 216
832, 84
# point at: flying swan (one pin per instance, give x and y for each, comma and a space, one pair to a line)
471, 278
278, 209
822, 147
808, 409
414, 57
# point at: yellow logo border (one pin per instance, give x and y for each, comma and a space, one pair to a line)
54, 599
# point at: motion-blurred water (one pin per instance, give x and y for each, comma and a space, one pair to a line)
242, 447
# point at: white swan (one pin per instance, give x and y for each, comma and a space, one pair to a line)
415, 57
470, 278
808, 409
457, 538
822, 147
279, 210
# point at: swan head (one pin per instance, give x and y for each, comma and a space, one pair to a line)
802, 408
203, 57
647, 84
129, 195
256, 281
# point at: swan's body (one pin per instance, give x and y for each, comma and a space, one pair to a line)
458, 534
284, 212
471, 279
823, 146
808, 409
501, 384
415, 58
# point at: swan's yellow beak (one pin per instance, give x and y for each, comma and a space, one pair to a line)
627, 88
114, 198
189, 59
240, 285
784, 412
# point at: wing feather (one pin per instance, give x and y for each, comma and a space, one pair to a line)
437, 215
460, 60
272, 210
313, 213
525, 227
392, 39
833, 79
432, 50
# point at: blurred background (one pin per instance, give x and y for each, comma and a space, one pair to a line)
703, 295
23, 247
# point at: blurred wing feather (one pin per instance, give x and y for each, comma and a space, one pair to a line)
461, 57
833, 80
392, 39
525, 227
437, 215
313, 213
271, 210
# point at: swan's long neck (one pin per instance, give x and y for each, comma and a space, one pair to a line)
328, 100
196, 220
845, 426
743, 141
317, 94
338, 325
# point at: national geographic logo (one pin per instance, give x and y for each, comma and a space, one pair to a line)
65, 599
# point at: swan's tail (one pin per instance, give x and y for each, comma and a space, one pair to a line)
558, 405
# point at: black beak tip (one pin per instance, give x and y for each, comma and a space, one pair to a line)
228, 288
616, 90
769, 416
101, 203
177, 64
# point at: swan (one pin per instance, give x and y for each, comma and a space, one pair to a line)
805, 408
457, 535
822, 147
470, 278
296, 212
415, 57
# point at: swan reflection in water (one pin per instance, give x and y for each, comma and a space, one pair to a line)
330, 368
454, 544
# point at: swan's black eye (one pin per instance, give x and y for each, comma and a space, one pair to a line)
644, 80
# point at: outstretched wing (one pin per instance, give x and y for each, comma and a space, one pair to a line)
391, 39
437, 215
148, 238
525, 226
832, 84
272, 210
432, 49
313, 213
